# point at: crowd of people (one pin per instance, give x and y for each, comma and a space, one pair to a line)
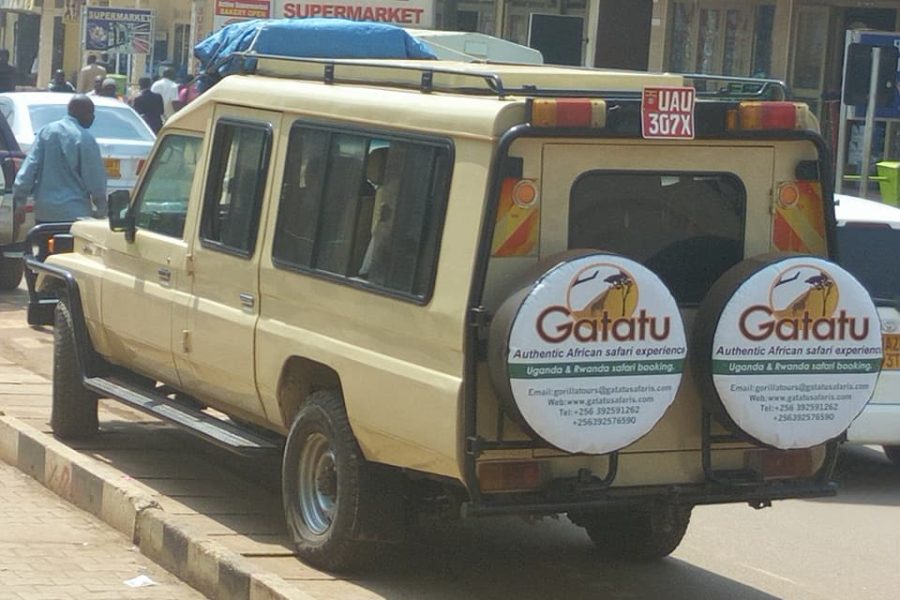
155, 101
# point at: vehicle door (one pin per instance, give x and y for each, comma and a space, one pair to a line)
145, 276
219, 343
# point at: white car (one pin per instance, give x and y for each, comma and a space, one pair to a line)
125, 139
869, 246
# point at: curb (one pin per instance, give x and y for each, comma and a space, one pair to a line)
126, 505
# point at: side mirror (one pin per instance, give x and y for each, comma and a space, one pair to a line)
120, 217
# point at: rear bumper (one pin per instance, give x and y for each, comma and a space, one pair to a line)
758, 495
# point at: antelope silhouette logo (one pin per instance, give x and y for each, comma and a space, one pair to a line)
602, 288
803, 290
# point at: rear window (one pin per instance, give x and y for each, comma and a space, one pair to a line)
686, 227
862, 250
109, 122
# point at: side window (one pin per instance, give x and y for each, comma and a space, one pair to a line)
234, 187
364, 208
686, 227
162, 201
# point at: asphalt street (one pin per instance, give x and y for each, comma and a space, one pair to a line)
838, 548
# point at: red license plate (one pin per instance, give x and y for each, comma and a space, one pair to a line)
668, 113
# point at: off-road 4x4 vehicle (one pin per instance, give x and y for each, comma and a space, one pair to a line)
478, 289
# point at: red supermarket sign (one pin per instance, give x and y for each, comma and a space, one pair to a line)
668, 113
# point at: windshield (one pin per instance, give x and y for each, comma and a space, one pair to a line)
110, 122
863, 249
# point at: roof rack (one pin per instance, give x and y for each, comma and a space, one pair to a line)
479, 79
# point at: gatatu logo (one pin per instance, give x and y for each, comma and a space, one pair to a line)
600, 305
802, 305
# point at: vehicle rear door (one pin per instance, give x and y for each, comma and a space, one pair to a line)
218, 348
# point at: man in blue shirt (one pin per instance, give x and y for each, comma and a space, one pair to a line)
64, 170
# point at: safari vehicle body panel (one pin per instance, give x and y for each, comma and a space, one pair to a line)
253, 329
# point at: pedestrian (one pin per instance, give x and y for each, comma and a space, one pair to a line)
64, 170
168, 89
8, 74
59, 83
104, 62
98, 86
149, 104
89, 73
108, 89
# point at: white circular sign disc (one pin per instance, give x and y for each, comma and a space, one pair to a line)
796, 352
595, 353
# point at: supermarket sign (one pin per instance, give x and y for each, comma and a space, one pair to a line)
118, 30
418, 13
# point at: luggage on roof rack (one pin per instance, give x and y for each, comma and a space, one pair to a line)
306, 38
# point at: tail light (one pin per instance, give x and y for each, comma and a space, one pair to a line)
568, 112
798, 222
510, 476
771, 116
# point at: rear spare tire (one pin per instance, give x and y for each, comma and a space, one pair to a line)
787, 349
588, 353
73, 413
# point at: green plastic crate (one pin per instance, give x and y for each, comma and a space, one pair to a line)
889, 182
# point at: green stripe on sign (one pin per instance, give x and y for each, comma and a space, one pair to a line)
594, 369
847, 366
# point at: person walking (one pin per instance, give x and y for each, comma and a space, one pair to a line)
64, 170
108, 89
59, 83
8, 73
149, 105
168, 89
89, 73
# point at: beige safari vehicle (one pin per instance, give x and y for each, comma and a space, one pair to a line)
477, 290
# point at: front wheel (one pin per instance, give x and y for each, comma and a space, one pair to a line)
636, 534
335, 502
11, 271
73, 412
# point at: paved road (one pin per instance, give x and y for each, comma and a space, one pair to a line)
52, 550
841, 548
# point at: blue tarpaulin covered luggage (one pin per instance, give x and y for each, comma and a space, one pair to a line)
311, 38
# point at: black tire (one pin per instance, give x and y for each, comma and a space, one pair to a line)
345, 503
74, 409
638, 535
893, 453
11, 271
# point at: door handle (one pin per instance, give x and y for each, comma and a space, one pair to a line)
247, 300
165, 275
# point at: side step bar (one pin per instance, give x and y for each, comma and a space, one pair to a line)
221, 433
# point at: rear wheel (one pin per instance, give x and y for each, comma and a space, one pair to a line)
638, 534
11, 271
333, 498
893, 453
73, 413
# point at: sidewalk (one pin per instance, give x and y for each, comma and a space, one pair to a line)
50, 550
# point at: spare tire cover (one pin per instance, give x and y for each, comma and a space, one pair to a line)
589, 353
788, 349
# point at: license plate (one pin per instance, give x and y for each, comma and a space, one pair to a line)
667, 113
113, 167
891, 343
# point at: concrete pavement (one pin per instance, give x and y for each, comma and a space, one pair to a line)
52, 550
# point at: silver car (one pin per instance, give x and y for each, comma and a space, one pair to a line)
125, 139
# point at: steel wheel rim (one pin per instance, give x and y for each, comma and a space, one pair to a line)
317, 479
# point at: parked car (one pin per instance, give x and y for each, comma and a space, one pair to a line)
476, 290
125, 139
869, 247
12, 231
